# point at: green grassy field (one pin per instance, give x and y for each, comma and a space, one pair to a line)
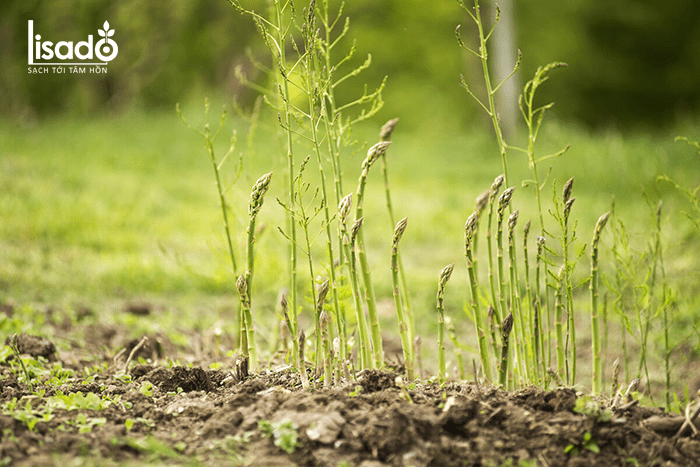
110, 210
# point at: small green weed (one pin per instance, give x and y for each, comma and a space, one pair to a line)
284, 433
84, 424
146, 389
151, 447
232, 445
587, 443
26, 413
79, 401
130, 422
588, 406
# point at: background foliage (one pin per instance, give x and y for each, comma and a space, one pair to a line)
631, 62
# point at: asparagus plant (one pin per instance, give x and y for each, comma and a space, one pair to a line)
404, 327
373, 154
595, 327
445, 275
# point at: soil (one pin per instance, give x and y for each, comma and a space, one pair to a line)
197, 416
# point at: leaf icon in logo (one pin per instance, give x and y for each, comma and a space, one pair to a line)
105, 31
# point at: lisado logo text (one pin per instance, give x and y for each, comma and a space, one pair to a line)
67, 57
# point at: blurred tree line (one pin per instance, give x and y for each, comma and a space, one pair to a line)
630, 61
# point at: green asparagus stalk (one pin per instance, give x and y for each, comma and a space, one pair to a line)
301, 342
445, 275
493, 195
365, 342
469, 229
503, 202
404, 331
324, 321
506, 327
249, 349
595, 328
558, 323
373, 154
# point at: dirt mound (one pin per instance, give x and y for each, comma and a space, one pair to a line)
180, 415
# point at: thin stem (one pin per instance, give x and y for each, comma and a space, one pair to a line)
539, 327
327, 351
385, 135
445, 275
595, 327
249, 350
257, 196
490, 91
506, 327
493, 195
469, 229
522, 344
301, 342
404, 332
558, 322
365, 344
287, 116
503, 203
532, 318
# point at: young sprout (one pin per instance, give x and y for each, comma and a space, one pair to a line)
374, 153
503, 203
616, 376
469, 229
479, 206
301, 341
257, 196
522, 345
595, 328
562, 363
540, 241
388, 129
404, 331
14, 345
338, 357
248, 345
445, 275
458, 348
385, 136
290, 327
493, 195
532, 318
506, 328
568, 266
365, 344
324, 322
321, 292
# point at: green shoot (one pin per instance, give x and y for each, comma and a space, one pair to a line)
445, 275
373, 154
301, 342
469, 229
404, 331
595, 327
506, 328
15, 349
493, 195
244, 283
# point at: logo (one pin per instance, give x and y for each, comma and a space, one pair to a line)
74, 57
